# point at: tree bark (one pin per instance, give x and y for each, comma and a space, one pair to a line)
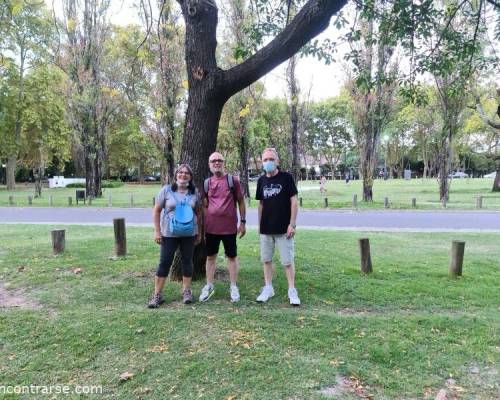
243, 150
11, 172
496, 183
293, 92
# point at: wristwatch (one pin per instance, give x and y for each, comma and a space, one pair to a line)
293, 226
243, 221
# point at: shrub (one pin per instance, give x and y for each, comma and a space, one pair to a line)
105, 185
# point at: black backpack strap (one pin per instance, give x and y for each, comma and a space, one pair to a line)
206, 186
230, 183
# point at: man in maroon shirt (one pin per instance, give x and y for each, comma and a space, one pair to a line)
221, 223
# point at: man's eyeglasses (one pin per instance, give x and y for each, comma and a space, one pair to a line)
217, 161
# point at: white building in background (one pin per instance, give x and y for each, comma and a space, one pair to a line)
61, 181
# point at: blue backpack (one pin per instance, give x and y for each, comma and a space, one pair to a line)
182, 221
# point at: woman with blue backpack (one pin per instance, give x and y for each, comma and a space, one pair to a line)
175, 217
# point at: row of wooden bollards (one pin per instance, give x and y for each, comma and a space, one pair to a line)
387, 203
455, 267
70, 201
456, 257
59, 238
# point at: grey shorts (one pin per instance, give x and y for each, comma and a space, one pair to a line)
286, 247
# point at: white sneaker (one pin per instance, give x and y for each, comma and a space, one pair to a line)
294, 297
235, 294
265, 294
207, 292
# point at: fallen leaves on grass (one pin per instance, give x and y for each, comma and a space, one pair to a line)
344, 386
159, 348
335, 362
126, 376
242, 339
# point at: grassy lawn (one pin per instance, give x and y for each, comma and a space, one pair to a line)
400, 193
404, 332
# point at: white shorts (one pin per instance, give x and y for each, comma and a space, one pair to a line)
286, 247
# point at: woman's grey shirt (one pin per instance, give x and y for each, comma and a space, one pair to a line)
167, 202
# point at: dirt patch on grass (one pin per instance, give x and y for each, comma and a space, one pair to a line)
16, 299
346, 388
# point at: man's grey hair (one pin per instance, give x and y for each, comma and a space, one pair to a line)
272, 149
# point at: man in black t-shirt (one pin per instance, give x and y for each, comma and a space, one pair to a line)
278, 209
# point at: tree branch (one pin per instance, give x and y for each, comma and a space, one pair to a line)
312, 19
479, 108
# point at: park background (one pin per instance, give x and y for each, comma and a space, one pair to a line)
87, 92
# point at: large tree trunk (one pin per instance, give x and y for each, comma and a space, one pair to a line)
293, 92
243, 150
367, 169
38, 173
445, 159
496, 183
11, 172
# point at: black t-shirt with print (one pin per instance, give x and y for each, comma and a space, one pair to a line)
275, 193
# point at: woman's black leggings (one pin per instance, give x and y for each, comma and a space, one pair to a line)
167, 251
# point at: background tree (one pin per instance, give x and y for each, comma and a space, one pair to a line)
328, 130
91, 101
372, 87
492, 120
45, 135
27, 34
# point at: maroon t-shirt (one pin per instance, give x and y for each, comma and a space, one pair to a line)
220, 215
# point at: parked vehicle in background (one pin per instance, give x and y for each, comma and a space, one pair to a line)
458, 174
492, 175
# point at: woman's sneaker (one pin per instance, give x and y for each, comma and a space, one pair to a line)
187, 296
156, 301
207, 292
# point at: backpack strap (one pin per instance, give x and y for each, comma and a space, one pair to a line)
230, 183
206, 186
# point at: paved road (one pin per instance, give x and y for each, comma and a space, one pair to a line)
439, 221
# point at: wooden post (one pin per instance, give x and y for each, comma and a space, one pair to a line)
110, 203
366, 260
479, 202
30, 200
386, 202
58, 241
51, 201
443, 202
300, 201
11, 200
326, 202
355, 201
120, 236
131, 200
414, 202
90, 200
70, 201
456, 258
154, 201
